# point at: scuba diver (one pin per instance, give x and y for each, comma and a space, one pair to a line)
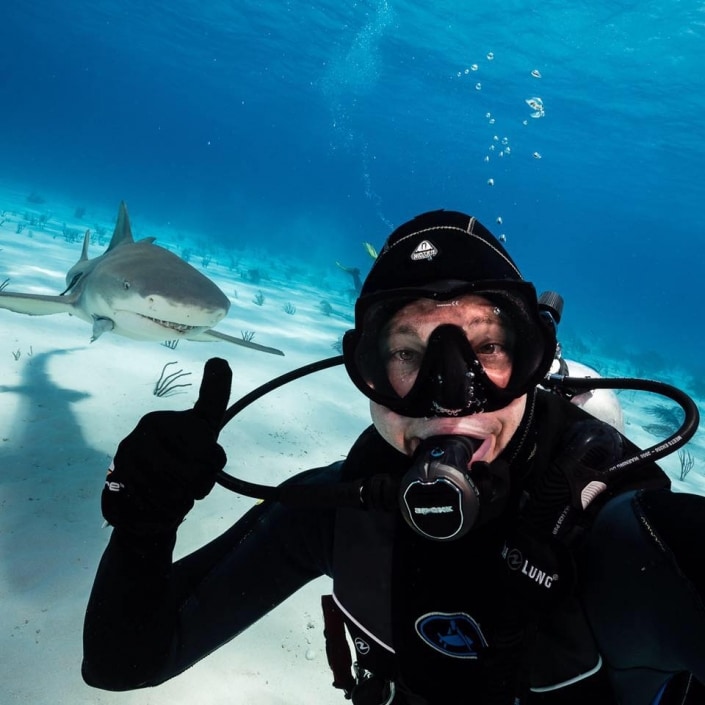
489, 542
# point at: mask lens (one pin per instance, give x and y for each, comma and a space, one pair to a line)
441, 373
466, 364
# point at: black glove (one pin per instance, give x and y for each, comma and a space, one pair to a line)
169, 460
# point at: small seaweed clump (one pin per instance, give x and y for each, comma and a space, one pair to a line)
670, 417
167, 384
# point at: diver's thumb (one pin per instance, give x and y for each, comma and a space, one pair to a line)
214, 393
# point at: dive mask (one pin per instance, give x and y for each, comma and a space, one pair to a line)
450, 379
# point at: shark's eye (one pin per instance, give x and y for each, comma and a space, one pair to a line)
125, 284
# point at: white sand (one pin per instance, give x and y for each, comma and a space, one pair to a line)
66, 403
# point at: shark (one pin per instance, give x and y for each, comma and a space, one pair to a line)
138, 290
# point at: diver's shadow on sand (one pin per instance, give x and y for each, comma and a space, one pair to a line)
50, 484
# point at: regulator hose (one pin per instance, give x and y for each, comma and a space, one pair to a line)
379, 490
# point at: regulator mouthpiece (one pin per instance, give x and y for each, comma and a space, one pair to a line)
438, 497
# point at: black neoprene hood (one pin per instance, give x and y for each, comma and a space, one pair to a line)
438, 246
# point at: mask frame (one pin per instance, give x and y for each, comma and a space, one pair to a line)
533, 351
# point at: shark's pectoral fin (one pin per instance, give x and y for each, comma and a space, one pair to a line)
101, 325
217, 335
36, 304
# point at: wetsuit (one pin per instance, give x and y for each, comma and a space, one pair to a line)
638, 601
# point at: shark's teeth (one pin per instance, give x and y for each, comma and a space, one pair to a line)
178, 327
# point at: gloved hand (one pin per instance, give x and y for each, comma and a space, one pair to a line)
169, 460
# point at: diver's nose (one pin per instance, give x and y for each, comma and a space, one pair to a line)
450, 375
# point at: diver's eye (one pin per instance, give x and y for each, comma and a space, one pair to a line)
403, 362
402, 366
490, 349
404, 358
494, 356
404, 355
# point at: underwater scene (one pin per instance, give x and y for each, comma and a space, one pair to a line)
251, 157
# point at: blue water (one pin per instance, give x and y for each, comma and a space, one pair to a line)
322, 125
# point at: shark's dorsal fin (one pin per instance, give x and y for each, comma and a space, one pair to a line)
86, 242
123, 232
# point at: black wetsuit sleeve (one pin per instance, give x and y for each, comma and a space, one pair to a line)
149, 619
644, 591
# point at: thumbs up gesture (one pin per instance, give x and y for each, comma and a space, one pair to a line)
169, 460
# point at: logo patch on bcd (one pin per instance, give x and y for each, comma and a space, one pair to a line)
454, 634
361, 646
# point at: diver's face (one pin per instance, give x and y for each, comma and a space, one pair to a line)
405, 338
404, 343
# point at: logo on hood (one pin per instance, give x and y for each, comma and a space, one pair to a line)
424, 250
454, 634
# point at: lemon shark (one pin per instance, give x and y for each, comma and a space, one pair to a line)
136, 289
